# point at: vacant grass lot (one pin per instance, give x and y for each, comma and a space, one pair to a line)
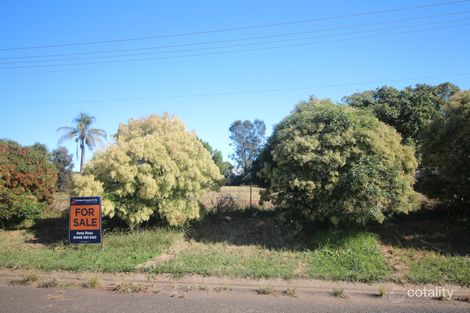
433, 268
122, 251
220, 259
352, 257
254, 243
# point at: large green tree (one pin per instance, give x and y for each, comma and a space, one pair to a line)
83, 134
446, 155
409, 111
225, 167
247, 140
63, 161
337, 163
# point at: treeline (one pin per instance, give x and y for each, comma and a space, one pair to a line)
360, 160
436, 121
364, 159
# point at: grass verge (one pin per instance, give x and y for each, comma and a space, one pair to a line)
122, 252
255, 243
344, 255
428, 267
226, 260
338, 256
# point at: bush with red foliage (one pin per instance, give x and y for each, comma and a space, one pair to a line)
27, 181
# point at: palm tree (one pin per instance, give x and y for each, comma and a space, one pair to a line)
83, 134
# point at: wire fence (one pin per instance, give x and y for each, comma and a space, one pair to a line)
244, 197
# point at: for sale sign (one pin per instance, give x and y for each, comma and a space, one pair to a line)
85, 220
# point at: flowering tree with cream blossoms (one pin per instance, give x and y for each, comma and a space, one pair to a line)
340, 164
155, 168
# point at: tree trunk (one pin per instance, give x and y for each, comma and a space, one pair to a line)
82, 159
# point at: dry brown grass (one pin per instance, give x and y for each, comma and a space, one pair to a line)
48, 283
265, 290
241, 195
61, 203
27, 279
129, 287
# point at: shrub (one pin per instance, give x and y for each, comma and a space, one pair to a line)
340, 164
446, 153
27, 181
224, 203
156, 168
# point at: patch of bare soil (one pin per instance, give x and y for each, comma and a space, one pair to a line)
400, 269
12, 234
178, 246
299, 271
20, 237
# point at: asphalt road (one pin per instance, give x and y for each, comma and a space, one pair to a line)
38, 300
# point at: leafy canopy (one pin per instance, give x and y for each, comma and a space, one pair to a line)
27, 181
446, 155
225, 167
336, 163
409, 111
247, 139
156, 168
63, 161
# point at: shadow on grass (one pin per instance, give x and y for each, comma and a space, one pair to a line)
50, 231
54, 230
442, 230
267, 229
248, 227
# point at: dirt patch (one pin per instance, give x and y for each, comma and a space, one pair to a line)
19, 237
12, 234
178, 246
400, 269
300, 269
58, 296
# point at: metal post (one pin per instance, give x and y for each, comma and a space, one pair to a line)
251, 196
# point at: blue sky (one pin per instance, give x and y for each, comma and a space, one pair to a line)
211, 79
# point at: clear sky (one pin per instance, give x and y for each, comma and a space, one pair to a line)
212, 62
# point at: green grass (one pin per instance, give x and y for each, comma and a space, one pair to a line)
351, 256
345, 256
431, 267
253, 243
122, 252
226, 260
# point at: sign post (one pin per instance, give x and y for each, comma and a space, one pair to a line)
85, 220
